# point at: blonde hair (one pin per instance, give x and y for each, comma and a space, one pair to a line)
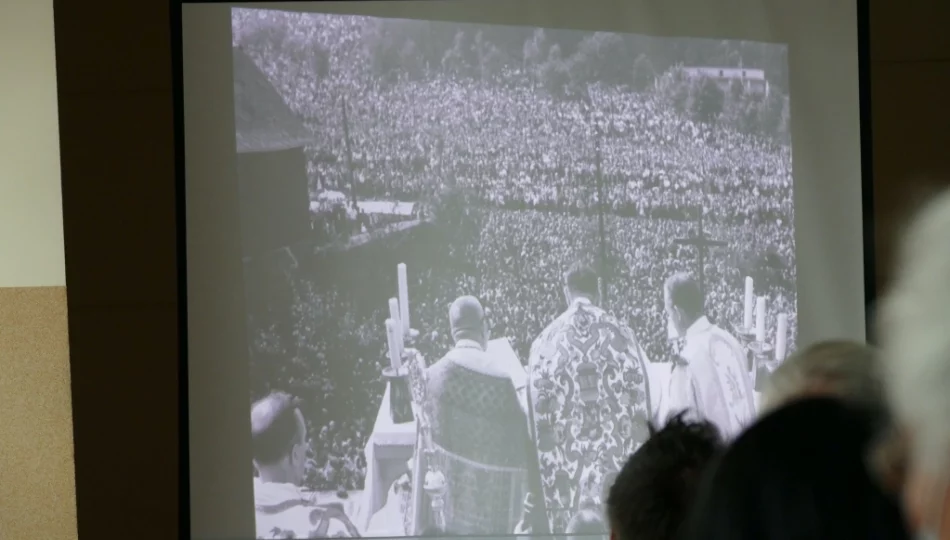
914, 326
846, 369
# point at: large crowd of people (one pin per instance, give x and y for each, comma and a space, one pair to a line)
653, 162
513, 260
853, 442
534, 168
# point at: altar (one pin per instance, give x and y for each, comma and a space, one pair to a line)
387, 452
390, 446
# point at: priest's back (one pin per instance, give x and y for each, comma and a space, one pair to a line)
589, 402
479, 439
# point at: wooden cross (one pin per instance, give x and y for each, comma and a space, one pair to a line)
349, 153
702, 243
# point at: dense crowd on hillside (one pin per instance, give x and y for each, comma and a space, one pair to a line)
654, 163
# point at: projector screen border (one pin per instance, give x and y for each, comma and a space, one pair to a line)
176, 38
867, 167
181, 265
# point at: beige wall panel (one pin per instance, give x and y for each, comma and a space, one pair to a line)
37, 488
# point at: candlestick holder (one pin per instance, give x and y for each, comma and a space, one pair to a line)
400, 396
762, 363
435, 488
411, 337
746, 338
418, 385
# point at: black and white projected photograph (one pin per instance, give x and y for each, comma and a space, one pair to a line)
480, 259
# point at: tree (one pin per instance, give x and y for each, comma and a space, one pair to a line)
736, 90
597, 60
708, 99
734, 106
489, 58
643, 74
674, 87
410, 58
772, 115
534, 49
454, 60
749, 117
555, 73
391, 50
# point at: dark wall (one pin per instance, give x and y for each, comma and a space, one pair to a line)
117, 152
274, 195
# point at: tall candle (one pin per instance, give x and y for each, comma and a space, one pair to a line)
781, 336
749, 299
391, 330
394, 315
760, 319
403, 298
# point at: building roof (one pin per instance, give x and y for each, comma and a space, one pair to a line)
263, 120
726, 72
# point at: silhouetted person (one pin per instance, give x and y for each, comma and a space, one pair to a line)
654, 492
800, 472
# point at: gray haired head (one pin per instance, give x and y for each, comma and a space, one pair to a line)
845, 369
914, 328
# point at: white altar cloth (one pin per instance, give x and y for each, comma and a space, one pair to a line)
391, 446
387, 452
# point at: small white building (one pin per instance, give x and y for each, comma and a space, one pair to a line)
753, 80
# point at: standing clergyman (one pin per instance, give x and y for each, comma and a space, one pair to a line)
708, 377
589, 401
479, 432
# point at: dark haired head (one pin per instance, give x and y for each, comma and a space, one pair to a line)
800, 472
582, 280
651, 497
275, 428
683, 294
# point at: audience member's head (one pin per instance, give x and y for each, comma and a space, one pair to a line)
683, 301
652, 495
800, 472
278, 435
582, 281
845, 369
914, 327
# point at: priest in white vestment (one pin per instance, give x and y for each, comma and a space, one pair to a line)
479, 432
589, 402
708, 377
282, 510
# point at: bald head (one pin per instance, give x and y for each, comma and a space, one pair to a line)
467, 319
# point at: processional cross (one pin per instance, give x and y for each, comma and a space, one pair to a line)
702, 243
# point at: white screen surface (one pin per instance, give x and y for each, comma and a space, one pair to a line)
478, 149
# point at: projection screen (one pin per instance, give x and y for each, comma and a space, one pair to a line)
446, 260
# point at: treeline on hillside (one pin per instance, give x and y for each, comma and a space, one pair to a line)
368, 51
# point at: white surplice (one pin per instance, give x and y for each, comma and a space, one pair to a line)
284, 511
710, 380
